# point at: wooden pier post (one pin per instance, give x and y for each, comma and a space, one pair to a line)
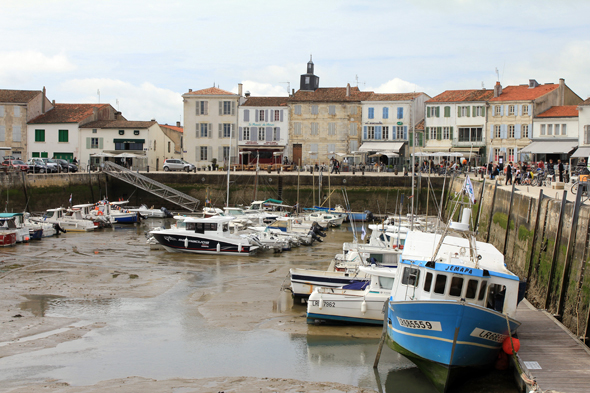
555, 249
535, 236
508, 220
492, 211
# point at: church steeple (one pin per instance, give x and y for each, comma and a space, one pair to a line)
309, 81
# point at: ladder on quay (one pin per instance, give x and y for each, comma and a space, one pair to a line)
145, 183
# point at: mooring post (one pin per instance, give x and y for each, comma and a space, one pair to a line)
492, 211
535, 236
508, 220
383, 334
555, 249
568, 253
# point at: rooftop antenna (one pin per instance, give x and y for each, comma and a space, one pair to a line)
98, 93
497, 74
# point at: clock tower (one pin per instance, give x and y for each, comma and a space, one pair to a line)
309, 81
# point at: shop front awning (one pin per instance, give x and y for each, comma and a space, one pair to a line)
550, 147
254, 148
128, 140
473, 149
582, 152
392, 147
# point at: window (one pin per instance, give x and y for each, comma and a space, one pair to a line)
277, 115
353, 128
471, 289
169, 143
439, 285
470, 134
371, 113
386, 113
297, 109
226, 108
315, 128
411, 276
332, 110
400, 113
315, 110
456, 286
307, 80
331, 128
261, 115
586, 134
386, 282
203, 153
203, 130
446, 132
246, 133
510, 152
479, 111
463, 111
16, 111
225, 153
557, 129
62, 135
510, 110
428, 282
296, 128
496, 154
354, 145
563, 129
130, 146
525, 110
400, 132
2, 133
276, 134
543, 129
331, 149
39, 135
94, 131
549, 129
370, 132
432, 131
94, 143
352, 110
497, 131
447, 111
432, 111
524, 131
16, 134
261, 133
497, 110
482, 290
202, 108
227, 130
511, 131
385, 132
136, 132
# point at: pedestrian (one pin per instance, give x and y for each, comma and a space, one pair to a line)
509, 173
560, 169
490, 168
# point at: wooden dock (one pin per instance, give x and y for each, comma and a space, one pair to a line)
550, 353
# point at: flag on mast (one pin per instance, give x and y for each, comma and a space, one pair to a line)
468, 187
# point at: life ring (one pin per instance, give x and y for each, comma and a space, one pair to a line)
99, 213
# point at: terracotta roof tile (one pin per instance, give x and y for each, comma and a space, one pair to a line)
420, 126
463, 96
524, 93
18, 96
392, 96
67, 113
118, 124
266, 101
212, 91
330, 94
560, 111
174, 128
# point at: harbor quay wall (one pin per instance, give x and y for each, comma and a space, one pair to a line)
545, 242
379, 193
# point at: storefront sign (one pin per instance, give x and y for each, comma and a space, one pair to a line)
261, 125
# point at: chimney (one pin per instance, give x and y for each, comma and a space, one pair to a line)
94, 113
177, 124
293, 92
43, 100
562, 90
53, 104
118, 115
348, 89
190, 90
497, 89
240, 89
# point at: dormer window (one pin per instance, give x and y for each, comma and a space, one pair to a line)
121, 132
136, 132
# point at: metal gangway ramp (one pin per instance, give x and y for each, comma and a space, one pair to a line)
145, 183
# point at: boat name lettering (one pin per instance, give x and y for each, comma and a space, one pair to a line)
172, 239
414, 324
487, 335
459, 269
316, 303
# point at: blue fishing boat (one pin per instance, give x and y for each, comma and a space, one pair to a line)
452, 304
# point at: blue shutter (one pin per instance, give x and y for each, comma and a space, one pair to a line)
254, 133
386, 113
247, 115
281, 116
517, 131
501, 110
406, 132
519, 110
378, 132
279, 132
503, 131
530, 113
365, 132
400, 113
269, 133
256, 115
266, 116
240, 132
371, 113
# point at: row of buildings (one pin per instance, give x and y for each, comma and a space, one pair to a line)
311, 125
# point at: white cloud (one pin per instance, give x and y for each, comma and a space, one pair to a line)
259, 89
136, 102
397, 85
20, 65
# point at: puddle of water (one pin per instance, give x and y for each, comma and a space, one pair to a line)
38, 304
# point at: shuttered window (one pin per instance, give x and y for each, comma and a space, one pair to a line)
331, 128
315, 110
39, 135
353, 129
62, 136
296, 128
315, 128
371, 113
297, 109
332, 110
386, 113
16, 133
2, 134
447, 111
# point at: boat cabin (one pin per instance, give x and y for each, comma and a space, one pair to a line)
8, 223
17, 217
216, 224
54, 214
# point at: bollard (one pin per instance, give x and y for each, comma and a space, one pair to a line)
148, 169
195, 169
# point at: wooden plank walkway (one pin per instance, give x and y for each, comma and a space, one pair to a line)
564, 361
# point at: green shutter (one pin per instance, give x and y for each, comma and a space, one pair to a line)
427, 111
474, 108
427, 129
44, 155
35, 155
438, 111
439, 133
458, 111
88, 143
468, 112
100, 143
411, 139
447, 111
451, 133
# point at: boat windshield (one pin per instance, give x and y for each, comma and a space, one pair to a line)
386, 282
180, 224
226, 227
49, 214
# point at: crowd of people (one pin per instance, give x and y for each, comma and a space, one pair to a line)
517, 172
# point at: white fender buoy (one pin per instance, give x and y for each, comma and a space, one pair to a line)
218, 247
321, 305
186, 242
364, 306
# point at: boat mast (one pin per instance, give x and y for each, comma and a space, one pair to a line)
413, 124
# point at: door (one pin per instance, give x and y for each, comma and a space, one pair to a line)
297, 149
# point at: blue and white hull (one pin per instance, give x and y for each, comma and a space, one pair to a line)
125, 218
443, 336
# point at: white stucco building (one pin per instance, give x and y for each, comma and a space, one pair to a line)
583, 131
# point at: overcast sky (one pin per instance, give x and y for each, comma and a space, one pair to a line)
146, 53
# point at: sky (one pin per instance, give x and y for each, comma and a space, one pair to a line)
143, 55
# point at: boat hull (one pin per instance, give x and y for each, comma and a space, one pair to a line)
195, 244
343, 308
36, 234
303, 283
442, 337
125, 218
7, 239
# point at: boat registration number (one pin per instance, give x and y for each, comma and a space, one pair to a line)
316, 303
424, 325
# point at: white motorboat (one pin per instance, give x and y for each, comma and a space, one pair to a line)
150, 212
355, 303
14, 222
205, 236
73, 222
329, 219
90, 212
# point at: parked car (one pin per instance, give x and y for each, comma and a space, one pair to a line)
16, 164
52, 164
174, 164
37, 165
66, 166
